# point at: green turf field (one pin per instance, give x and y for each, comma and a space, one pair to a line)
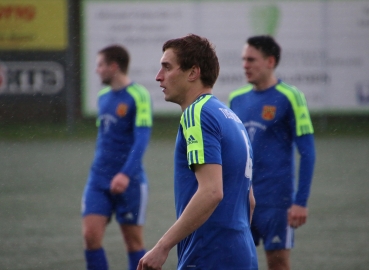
41, 182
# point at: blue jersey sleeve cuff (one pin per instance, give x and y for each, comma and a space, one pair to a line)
133, 164
305, 145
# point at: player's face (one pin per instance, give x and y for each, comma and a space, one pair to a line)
104, 70
258, 68
172, 79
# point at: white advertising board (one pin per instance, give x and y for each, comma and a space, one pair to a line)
325, 45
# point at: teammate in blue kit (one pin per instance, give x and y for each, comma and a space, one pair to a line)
277, 118
117, 183
213, 167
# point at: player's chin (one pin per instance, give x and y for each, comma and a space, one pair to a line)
250, 79
106, 81
168, 98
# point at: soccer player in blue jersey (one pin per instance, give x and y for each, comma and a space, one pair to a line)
117, 182
213, 167
277, 119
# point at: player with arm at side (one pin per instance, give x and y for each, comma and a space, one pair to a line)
117, 182
213, 167
277, 118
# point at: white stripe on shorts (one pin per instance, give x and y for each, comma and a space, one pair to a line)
289, 237
144, 196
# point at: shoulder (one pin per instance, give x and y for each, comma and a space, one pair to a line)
295, 96
196, 113
104, 91
299, 106
285, 87
238, 92
210, 108
138, 92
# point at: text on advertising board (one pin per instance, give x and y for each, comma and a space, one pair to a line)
31, 78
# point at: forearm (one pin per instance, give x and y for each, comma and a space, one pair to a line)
306, 148
196, 213
141, 141
305, 179
252, 203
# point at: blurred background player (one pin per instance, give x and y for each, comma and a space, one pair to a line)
117, 183
213, 167
277, 118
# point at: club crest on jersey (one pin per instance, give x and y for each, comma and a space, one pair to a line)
268, 112
122, 109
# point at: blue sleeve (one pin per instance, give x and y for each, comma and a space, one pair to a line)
134, 160
306, 148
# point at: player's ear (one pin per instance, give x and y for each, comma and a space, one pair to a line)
114, 66
195, 73
271, 62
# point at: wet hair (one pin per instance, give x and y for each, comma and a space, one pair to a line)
267, 45
193, 50
117, 54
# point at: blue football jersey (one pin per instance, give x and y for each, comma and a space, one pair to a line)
210, 133
124, 118
274, 118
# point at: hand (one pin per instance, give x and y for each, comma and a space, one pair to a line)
154, 259
119, 183
297, 215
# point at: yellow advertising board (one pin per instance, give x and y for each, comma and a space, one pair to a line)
33, 25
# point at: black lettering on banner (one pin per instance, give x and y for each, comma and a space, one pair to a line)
31, 78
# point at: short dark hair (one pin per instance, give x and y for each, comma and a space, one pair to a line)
118, 54
193, 50
267, 45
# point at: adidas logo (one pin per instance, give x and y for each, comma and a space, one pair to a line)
191, 140
276, 239
128, 216
303, 116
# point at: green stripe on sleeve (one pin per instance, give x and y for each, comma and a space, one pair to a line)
238, 92
99, 94
103, 91
299, 106
143, 105
192, 131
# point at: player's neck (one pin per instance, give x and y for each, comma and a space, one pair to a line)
194, 94
263, 85
119, 82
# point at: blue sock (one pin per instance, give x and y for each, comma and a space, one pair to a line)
96, 259
134, 258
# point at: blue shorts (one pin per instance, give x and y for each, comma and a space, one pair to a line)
128, 207
216, 247
271, 225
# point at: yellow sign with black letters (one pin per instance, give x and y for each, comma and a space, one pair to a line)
33, 25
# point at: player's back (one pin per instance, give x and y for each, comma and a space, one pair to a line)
236, 154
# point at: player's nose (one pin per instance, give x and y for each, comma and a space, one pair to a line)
159, 76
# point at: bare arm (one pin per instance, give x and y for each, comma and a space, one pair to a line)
199, 209
252, 202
